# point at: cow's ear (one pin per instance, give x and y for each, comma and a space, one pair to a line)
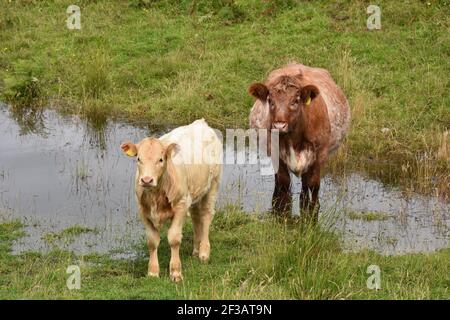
308, 94
259, 91
129, 148
172, 150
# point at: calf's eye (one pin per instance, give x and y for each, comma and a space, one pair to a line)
161, 160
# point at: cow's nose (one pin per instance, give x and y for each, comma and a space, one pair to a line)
146, 180
281, 126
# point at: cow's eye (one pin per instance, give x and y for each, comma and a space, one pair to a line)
293, 104
139, 159
161, 160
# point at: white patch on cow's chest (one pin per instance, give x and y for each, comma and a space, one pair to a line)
298, 161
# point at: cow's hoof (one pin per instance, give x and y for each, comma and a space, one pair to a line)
153, 274
176, 277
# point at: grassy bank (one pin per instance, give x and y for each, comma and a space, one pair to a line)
251, 258
159, 62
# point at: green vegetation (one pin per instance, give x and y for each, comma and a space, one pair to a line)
367, 216
251, 258
174, 61
68, 234
24, 90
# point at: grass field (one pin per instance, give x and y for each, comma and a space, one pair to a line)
164, 63
251, 258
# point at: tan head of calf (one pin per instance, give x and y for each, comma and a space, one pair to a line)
152, 160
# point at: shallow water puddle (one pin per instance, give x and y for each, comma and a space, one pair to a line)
64, 172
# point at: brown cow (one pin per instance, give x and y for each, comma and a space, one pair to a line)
312, 115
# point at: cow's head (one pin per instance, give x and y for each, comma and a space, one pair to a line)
152, 159
286, 98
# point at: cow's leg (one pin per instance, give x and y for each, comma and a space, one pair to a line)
204, 219
174, 236
153, 239
282, 198
310, 184
304, 194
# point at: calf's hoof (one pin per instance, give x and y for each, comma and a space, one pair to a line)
204, 251
176, 276
204, 257
153, 274
195, 252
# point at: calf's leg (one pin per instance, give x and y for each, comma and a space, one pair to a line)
174, 236
153, 240
202, 221
282, 198
195, 215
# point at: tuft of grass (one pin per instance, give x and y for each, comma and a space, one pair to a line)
96, 76
9, 231
68, 234
23, 88
367, 215
444, 147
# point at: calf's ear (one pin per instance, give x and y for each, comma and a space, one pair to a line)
259, 91
171, 185
172, 150
129, 148
308, 93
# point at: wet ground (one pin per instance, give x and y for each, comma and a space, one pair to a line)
58, 171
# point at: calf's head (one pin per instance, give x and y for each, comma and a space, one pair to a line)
286, 99
152, 159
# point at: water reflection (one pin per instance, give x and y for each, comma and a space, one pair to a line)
65, 170
30, 119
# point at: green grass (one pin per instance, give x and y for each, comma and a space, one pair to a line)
161, 62
254, 258
367, 215
68, 234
